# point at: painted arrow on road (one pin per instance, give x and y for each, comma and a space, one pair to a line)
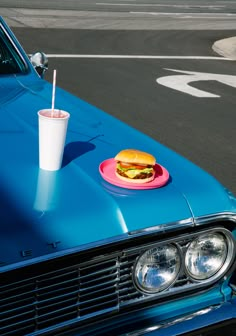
181, 82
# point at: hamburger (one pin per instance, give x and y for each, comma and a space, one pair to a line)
135, 166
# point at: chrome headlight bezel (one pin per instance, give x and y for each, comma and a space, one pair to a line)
172, 277
226, 260
184, 281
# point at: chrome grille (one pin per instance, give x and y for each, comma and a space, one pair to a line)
76, 288
54, 297
100, 285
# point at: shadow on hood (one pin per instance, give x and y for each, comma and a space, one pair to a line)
75, 149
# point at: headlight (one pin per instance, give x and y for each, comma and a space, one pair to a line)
157, 268
206, 255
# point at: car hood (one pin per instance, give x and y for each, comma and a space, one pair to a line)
43, 213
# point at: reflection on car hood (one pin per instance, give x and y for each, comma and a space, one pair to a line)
45, 212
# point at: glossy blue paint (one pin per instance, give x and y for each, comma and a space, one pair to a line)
43, 214
75, 206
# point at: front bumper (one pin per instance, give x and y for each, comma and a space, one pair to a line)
212, 321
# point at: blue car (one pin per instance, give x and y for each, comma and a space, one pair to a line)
84, 253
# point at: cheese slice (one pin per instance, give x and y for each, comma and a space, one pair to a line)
134, 172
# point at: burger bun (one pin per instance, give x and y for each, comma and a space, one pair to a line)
135, 156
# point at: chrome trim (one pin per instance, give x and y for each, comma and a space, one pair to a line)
185, 223
164, 227
63, 253
19, 52
116, 289
173, 322
231, 216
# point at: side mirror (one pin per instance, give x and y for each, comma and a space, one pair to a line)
40, 62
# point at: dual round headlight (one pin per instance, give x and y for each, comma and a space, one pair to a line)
204, 257
157, 268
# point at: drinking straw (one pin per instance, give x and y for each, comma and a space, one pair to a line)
53, 90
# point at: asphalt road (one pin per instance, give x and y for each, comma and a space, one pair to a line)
121, 14
174, 6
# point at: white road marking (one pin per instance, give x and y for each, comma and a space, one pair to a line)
214, 16
176, 82
160, 5
213, 58
181, 82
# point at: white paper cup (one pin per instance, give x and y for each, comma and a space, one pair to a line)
52, 135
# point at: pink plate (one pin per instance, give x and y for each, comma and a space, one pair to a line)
108, 167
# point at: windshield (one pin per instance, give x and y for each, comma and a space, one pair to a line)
10, 60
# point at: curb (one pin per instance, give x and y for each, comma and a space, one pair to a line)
226, 47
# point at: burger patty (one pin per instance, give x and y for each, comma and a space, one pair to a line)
139, 176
